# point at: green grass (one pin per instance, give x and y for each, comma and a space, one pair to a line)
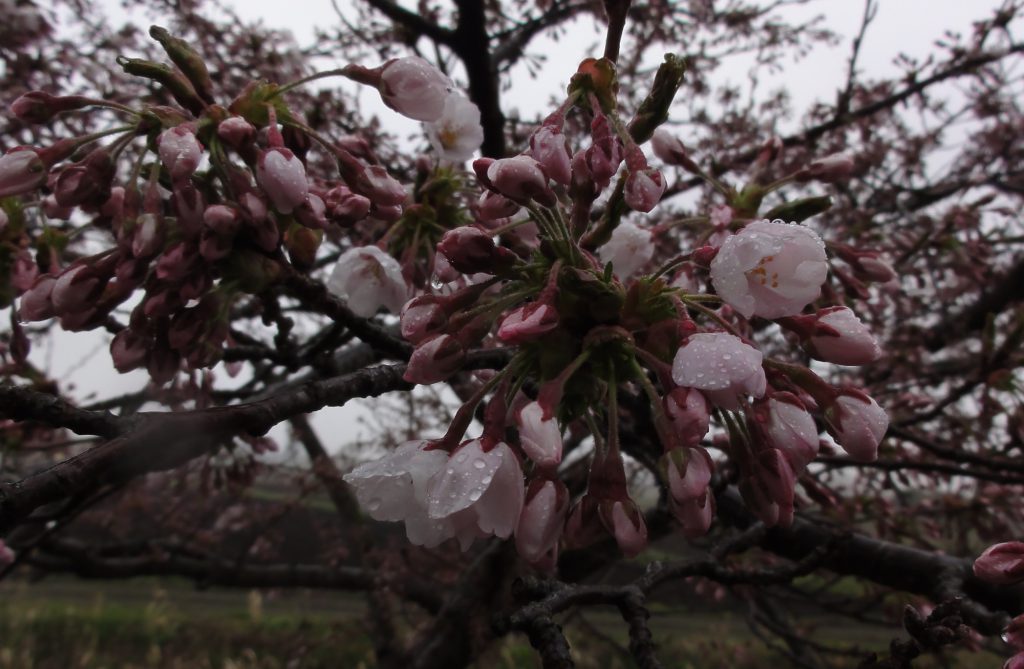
153, 624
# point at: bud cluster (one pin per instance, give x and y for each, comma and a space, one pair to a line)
554, 258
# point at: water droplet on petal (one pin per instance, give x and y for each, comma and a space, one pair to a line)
479, 463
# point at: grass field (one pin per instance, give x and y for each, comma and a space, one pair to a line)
147, 623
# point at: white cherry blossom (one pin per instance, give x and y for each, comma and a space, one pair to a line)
480, 493
394, 488
458, 133
368, 279
628, 250
770, 269
722, 366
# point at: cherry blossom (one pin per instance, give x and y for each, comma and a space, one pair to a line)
479, 492
770, 269
722, 366
628, 250
394, 488
368, 279
457, 134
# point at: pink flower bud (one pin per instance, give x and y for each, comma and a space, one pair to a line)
40, 106
235, 131
86, 182
688, 471
541, 439
434, 360
871, 268
844, 339
605, 154
492, 207
312, 213
627, 525
179, 151
175, 262
414, 88
542, 520
128, 350
695, 514
213, 246
422, 317
75, 288
1001, 564
21, 171
644, 189
1015, 662
722, 366
471, 250
1013, 635
770, 269
7, 555
791, 429
282, 177
669, 149
36, 303
690, 415
52, 208
528, 322
768, 489
345, 207
858, 424
521, 179
148, 236
550, 148
24, 272
368, 279
381, 188
829, 169
222, 219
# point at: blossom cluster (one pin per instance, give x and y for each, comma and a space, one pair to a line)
553, 256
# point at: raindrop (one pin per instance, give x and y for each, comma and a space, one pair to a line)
479, 463
475, 495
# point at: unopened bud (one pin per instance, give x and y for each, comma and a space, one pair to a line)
471, 250
435, 360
